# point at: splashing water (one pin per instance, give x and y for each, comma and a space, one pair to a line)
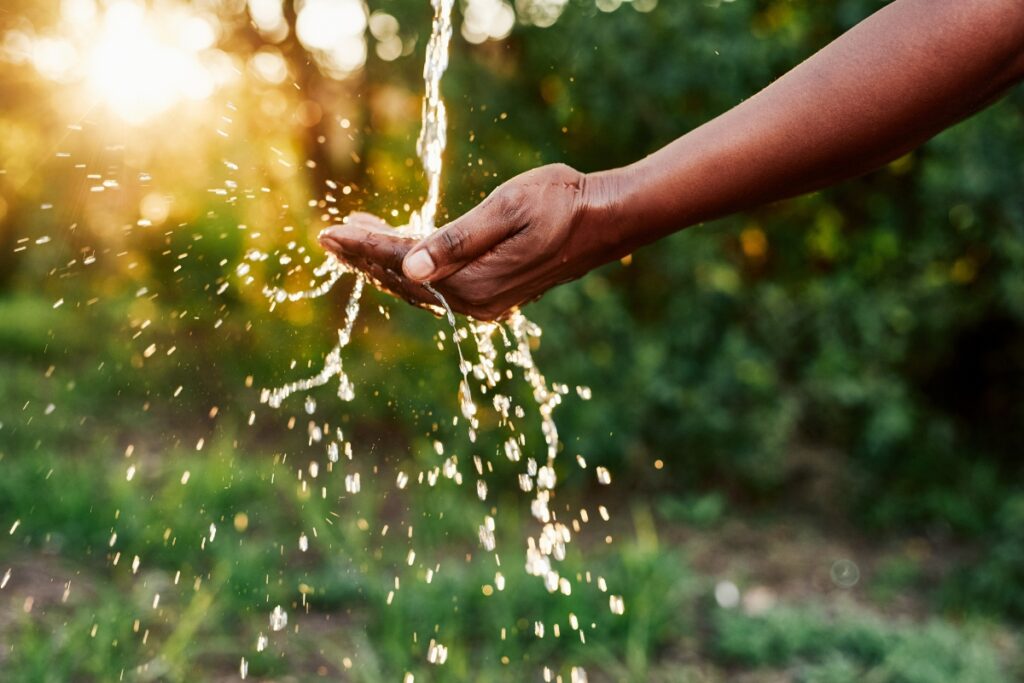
518, 335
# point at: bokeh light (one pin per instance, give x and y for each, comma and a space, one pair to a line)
542, 13
333, 31
137, 61
142, 64
268, 15
487, 19
384, 28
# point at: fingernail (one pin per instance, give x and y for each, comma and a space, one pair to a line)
418, 265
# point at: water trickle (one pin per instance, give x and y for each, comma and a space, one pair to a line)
516, 336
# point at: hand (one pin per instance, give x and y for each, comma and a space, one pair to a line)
540, 229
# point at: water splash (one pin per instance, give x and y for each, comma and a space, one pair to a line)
333, 366
518, 336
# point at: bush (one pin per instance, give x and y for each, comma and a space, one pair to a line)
848, 647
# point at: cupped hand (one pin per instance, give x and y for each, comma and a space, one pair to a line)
540, 229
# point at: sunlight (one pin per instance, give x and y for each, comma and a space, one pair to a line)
144, 62
136, 60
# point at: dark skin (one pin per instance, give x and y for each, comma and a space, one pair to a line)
883, 88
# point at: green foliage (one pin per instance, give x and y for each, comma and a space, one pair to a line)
882, 319
842, 648
993, 582
699, 510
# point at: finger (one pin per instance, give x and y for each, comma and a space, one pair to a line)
466, 238
379, 255
355, 241
395, 283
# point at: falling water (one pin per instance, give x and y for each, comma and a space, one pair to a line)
433, 136
517, 335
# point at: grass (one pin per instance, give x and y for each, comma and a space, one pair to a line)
221, 549
818, 647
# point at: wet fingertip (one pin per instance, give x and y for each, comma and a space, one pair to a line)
418, 265
333, 232
327, 241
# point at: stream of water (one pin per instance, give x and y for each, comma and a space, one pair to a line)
516, 337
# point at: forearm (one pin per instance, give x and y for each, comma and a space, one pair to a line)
883, 88
890, 83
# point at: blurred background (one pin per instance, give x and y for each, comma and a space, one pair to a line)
812, 413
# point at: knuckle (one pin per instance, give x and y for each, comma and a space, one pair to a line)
509, 201
451, 242
562, 173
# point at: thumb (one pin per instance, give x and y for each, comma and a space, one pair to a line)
466, 238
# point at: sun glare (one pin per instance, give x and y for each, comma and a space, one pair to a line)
142, 64
141, 59
136, 60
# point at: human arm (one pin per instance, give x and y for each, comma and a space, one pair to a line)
893, 81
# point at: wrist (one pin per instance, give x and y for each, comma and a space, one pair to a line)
609, 210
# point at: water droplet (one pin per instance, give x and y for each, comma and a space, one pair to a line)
437, 653
278, 619
616, 604
512, 450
